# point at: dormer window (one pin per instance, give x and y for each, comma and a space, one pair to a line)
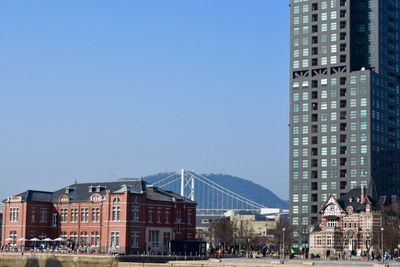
351, 200
350, 210
368, 208
69, 189
126, 187
99, 188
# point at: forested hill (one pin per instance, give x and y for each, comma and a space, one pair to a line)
241, 186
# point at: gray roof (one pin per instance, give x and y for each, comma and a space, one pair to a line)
36, 196
355, 194
316, 228
154, 193
81, 192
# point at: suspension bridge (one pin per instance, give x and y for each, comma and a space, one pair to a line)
211, 198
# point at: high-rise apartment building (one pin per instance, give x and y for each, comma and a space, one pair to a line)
344, 104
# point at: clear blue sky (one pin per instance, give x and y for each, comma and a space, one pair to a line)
97, 90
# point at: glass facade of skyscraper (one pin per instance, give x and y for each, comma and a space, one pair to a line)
344, 103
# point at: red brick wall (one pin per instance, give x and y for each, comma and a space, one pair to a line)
177, 229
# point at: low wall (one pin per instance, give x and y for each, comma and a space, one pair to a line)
58, 260
48, 260
71, 260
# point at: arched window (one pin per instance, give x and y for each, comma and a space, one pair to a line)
84, 238
95, 239
95, 198
95, 214
115, 239
42, 235
116, 201
14, 214
116, 209
84, 215
64, 199
64, 235
64, 215
135, 213
13, 237
73, 236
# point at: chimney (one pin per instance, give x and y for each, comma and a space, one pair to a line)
362, 194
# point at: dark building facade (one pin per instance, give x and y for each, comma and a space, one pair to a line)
126, 217
344, 103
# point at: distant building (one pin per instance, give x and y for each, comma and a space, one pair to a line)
251, 225
125, 217
275, 213
203, 222
247, 225
349, 225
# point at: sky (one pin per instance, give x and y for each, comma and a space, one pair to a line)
97, 90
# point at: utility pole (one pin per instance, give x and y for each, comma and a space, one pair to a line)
283, 237
383, 258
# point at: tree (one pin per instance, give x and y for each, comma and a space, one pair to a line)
222, 230
391, 226
391, 235
203, 235
369, 240
302, 236
243, 232
288, 232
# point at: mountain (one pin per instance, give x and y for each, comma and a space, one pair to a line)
206, 197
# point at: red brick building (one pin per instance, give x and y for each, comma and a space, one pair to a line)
126, 217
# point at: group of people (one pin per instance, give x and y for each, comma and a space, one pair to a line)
374, 255
6, 247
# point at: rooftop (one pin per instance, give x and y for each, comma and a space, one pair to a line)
82, 192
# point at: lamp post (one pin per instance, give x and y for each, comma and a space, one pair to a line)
368, 244
383, 258
283, 241
248, 247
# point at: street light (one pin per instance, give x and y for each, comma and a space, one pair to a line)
368, 243
383, 258
283, 237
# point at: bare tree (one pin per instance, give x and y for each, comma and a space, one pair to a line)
203, 235
288, 233
391, 235
302, 236
244, 232
222, 230
391, 225
368, 241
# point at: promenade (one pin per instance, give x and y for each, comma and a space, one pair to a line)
245, 262
71, 260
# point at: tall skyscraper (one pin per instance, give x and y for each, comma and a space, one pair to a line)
344, 101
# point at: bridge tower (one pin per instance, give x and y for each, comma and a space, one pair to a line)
187, 182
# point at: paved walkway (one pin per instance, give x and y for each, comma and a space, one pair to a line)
239, 262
